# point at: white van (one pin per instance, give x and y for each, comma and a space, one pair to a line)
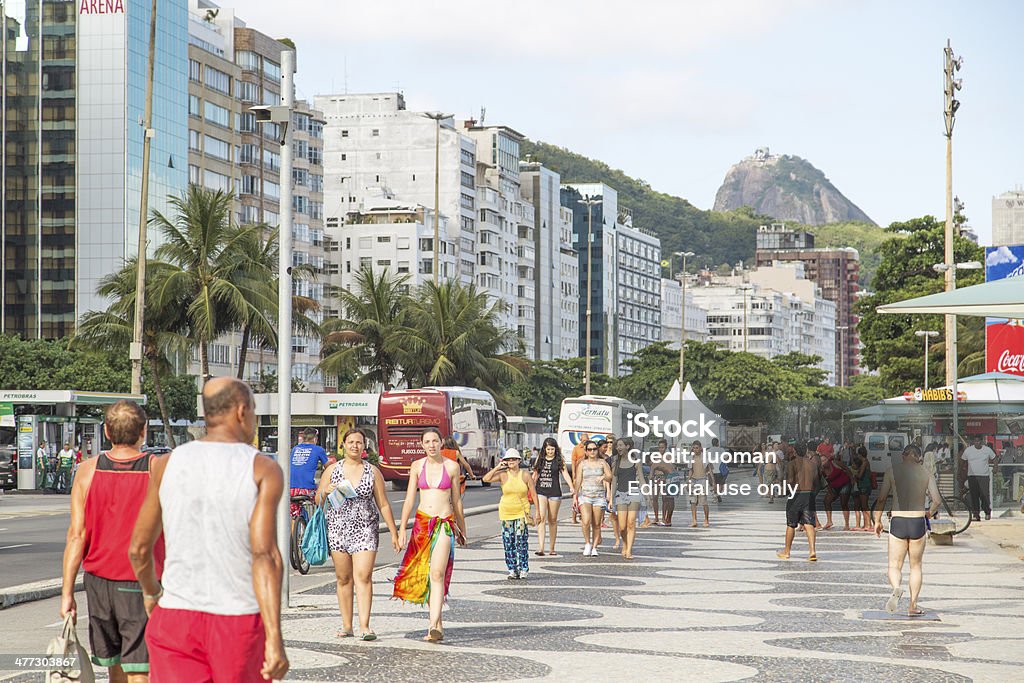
882, 447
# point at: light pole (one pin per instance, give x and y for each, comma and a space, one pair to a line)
135, 350
927, 335
843, 379
682, 327
437, 117
282, 116
590, 204
951, 344
952, 64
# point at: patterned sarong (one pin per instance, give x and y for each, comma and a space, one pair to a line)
412, 583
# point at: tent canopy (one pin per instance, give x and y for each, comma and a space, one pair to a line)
668, 409
998, 299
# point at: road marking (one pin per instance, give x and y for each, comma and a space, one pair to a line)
20, 545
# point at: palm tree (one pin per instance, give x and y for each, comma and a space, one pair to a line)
201, 249
163, 331
455, 332
366, 341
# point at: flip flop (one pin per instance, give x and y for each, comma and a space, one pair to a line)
368, 636
781, 555
915, 612
552, 553
827, 527
539, 552
344, 634
894, 600
435, 635
812, 558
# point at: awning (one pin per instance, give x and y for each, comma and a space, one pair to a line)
998, 299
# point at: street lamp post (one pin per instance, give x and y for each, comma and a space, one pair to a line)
437, 117
590, 204
682, 328
927, 335
282, 116
951, 344
843, 380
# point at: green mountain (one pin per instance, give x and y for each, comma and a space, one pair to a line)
716, 237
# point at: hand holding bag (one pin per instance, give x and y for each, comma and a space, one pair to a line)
314, 540
66, 645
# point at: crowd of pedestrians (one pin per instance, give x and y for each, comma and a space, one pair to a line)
197, 595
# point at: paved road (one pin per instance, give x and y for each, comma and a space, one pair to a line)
33, 528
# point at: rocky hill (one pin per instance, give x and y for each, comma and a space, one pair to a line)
786, 188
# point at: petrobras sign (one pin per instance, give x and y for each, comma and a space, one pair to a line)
1004, 339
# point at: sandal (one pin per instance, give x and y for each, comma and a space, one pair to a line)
552, 553
344, 634
781, 555
368, 635
539, 552
916, 612
894, 600
812, 558
434, 635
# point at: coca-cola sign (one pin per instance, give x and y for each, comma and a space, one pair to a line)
1004, 339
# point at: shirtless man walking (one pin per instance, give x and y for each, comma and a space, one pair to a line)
701, 479
803, 472
908, 481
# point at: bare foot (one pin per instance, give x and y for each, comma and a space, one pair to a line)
707, 523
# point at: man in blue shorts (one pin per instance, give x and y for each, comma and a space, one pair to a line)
306, 457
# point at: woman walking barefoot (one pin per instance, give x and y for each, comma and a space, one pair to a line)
514, 511
352, 529
546, 479
426, 570
591, 487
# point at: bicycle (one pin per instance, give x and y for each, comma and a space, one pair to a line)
958, 511
299, 522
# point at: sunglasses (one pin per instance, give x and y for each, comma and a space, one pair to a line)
591, 448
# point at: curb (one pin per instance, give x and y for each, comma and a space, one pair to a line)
37, 590
41, 590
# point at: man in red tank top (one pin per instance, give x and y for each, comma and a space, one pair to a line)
105, 501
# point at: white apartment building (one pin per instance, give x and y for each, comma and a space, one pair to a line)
638, 253
556, 271
745, 313
374, 148
672, 314
1008, 219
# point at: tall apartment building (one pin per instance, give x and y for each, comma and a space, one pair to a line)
556, 275
75, 81
835, 270
639, 290
231, 68
599, 224
375, 148
745, 313
672, 314
1008, 219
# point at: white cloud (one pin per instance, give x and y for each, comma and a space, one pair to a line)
1000, 256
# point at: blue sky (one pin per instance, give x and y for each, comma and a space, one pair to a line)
675, 92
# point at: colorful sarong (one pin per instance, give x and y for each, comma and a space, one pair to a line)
412, 583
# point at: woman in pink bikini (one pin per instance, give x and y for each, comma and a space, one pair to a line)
426, 570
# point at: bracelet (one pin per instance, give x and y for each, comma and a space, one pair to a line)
154, 597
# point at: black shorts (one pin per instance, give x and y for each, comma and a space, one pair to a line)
908, 528
800, 509
117, 624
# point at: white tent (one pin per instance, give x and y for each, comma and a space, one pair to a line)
693, 408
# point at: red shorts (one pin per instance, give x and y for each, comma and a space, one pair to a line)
198, 647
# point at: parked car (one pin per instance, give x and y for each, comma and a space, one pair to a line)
157, 450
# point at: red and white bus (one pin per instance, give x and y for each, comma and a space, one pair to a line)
469, 415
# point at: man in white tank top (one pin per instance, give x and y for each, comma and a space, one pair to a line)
217, 616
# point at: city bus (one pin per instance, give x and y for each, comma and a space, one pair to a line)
596, 418
468, 415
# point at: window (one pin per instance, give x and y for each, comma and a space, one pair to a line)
375, 132
216, 114
247, 60
384, 263
193, 105
365, 242
344, 157
271, 70
193, 174
247, 92
271, 160
467, 179
365, 262
216, 181
403, 242
426, 266
217, 80
383, 239
427, 244
217, 148
300, 232
315, 155
193, 140
316, 210
344, 133
301, 122
466, 201
193, 70
300, 204
316, 182
247, 122
300, 177
248, 154
250, 185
